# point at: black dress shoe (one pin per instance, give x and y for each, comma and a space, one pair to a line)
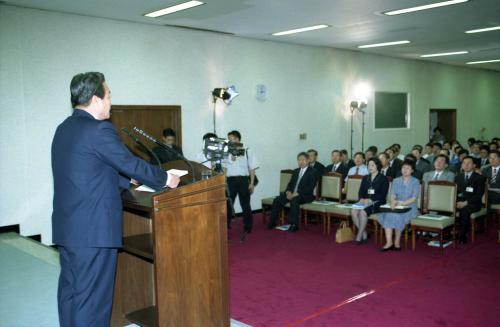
293, 228
395, 248
271, 226
387, 249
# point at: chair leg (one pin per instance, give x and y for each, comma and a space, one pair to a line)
441, 242
323, 217
413, 236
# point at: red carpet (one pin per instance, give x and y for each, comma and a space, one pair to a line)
306, 279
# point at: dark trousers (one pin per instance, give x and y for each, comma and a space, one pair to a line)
86, 283
465, 213
238, 186
293, 215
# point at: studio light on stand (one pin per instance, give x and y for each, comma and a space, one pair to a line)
359, 105
227, 94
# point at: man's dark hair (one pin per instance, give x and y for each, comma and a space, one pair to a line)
396, 145
410, 156
446, 159
437, 129
495, 152
484, 147
385, 155
168, 132
437, 144
463, 151
303, 154
84, 86
235, 133
376, 162
344, 152
418, 148
209, 135
471, 140
429, 144
475, 161
313, 151
495, 144
336, 151
361, 154
410, 163
373, 149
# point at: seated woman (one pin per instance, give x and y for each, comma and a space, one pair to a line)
404, 192
372, 192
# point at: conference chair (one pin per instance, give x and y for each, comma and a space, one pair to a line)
267, 203
342, 211
441, 198
481, 214
330, 192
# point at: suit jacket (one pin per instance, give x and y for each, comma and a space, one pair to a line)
380, 185
391, 172
306, 185
423, 166
341, 169
319, 167
493, 196
396, 165
446, 175
477, 183
90, 165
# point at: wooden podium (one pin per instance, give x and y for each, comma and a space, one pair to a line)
173, 269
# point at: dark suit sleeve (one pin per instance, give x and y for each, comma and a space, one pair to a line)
111, 150
381, 189
293, 180
123, 181
478, 185
363, 188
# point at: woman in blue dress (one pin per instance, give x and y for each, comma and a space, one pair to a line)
404, 192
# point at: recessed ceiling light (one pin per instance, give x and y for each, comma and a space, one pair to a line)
172, 9
482, 62
444, 54
424, 7
385, 44
300, 30
483, 30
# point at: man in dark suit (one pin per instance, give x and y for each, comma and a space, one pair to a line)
492, 173
422, 165
386, 170
394, 162
90, 164
470, 190
298, 191
168, 137
337, 165
318, 166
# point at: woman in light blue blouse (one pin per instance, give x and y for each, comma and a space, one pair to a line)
404, 192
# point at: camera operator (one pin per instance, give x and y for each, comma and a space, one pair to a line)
240, 171
202, 157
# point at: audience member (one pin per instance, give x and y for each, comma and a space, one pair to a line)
397, 151
371, 152
404, 192
359, 167
428, 152
457, 167
373, 193
422, 165
493, 176
440, 173
394, 162
346, 160
470, 142
168, 137
437, 137
475, 150
337, 165
493, 146
316, 165
470, 189
484, 153
386, 170
298, 191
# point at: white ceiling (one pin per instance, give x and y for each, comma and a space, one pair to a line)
353, 23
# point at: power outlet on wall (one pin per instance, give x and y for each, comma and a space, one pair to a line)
302, 136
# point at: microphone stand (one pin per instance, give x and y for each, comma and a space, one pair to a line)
169, 150
142, 145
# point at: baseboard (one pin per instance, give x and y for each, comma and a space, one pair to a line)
10, 228
37, 237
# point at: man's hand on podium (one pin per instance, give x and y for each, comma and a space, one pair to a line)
173, 180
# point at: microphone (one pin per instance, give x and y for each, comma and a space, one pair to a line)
142, 145
167, 148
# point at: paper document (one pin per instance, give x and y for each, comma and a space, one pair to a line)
178, 172
324, 202
433, 217
344, 206
437, 244
283, 227
388, 206
361, 205
144, 188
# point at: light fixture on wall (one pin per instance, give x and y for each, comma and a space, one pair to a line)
227, 94
358, 105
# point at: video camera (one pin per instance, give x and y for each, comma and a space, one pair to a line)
218, 149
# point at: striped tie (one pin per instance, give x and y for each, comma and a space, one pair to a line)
494, 176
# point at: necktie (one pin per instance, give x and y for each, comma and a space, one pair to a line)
301, 173
436, 176
357, 170
494, 176
334, 168
467, 176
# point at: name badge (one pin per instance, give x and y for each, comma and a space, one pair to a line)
371, 191
469, 189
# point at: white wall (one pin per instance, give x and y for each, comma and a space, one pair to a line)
309, 89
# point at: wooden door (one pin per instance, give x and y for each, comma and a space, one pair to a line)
447, 120
151, 119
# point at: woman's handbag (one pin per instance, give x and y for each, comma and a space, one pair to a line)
344, 233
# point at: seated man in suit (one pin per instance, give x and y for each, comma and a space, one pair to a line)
440, 173
492, 174
386, 170
422, 165
484, 154
359, 167
457, 167
428, 153
318, 166
470, 190
337, 165
345, 159
298, 191
394, 162
371, 152
396, 147
163, 154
